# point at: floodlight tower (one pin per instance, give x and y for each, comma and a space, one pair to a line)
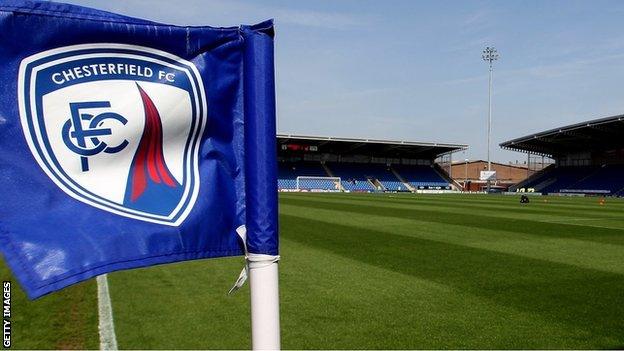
466, 174
489, 55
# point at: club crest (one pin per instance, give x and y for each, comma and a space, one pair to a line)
116, 126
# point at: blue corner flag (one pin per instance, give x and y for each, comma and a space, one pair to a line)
127, 143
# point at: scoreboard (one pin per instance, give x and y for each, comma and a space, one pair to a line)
299, 147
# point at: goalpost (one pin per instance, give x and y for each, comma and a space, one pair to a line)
318, 183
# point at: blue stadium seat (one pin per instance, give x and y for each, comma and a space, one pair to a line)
287, 173
355, 176
607, 179
421, 176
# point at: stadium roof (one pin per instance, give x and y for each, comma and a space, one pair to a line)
595, 135
370, 147
513, 165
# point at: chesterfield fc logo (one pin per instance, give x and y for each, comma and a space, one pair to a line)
117, 127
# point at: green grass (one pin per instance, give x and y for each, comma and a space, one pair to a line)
65, 320
380, 271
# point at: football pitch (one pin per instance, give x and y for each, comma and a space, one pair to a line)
378, 271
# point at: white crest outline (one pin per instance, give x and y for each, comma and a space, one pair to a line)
191, 160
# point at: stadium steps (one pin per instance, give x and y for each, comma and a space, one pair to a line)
331, 174
402, 180
444, 175
525, 183
544, 184
456, 184
377, 184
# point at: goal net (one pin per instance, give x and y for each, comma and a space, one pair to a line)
318, 183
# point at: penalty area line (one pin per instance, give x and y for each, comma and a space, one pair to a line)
108, 340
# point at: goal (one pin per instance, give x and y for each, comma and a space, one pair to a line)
318, 183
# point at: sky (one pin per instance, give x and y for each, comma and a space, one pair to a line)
412, 70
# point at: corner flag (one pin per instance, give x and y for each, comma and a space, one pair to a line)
127, 143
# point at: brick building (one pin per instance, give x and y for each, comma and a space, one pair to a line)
468, 173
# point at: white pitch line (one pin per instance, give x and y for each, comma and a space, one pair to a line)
108, 340
567, 221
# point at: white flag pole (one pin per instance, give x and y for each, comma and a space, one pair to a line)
261, 184
264, 287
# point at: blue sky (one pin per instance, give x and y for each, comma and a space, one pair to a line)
412, 70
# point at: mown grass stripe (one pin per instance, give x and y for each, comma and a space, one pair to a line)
509, 207
612, 204
580, 232
579, 297
592, 255
401, 311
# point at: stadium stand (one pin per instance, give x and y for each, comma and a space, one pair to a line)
367, 176
354, 177
289, 171
589, 158
605, 178
389, 180
361, 164
564, 178
421, 176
